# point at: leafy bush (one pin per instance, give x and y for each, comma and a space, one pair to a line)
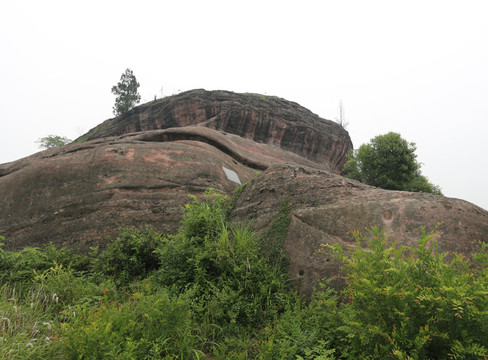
22, 266
412, 301
304, 331
53, 141
53, 283
131, 255
204, 219
147, 326
230, 280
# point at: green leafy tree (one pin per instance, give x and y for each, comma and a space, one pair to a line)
53, 141
126, 91
388, 162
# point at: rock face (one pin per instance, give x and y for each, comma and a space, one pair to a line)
79, 194
124, 172
327, 208
263, 119
140, 167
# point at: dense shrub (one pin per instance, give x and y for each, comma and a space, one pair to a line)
22, 266
412, 301
147, 326
204, 219
231, 282
217, 290
65, 288
131, 255
389, 162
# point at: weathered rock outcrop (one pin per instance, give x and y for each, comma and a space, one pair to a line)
79, 194
327, 208
140, 167
263, 119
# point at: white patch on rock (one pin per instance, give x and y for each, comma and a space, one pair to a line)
231, 175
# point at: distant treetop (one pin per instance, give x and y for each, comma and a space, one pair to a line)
126, 91
388, 162
53, 141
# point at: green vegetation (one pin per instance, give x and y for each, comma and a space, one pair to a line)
96, 130
53, 141
216, 290
388, 162
262, 98
126, 91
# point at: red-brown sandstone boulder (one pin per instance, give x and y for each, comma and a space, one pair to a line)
263, 119
79, 194
326, 208
140, 167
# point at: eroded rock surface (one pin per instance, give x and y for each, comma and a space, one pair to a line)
263, 119
327, 208
79, 194
140, 167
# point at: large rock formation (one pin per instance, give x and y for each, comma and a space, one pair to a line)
124, 172
327, 208
263, 119
140, 167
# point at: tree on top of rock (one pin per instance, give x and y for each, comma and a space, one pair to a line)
126, 91
53, 141
388, 162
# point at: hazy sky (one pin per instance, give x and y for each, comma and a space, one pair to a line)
419, 68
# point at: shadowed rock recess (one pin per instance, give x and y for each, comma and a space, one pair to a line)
139, 168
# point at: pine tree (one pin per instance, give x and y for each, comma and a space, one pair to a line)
126, 91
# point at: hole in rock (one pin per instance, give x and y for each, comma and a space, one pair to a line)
387, 215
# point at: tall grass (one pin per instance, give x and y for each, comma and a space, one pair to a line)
28, 326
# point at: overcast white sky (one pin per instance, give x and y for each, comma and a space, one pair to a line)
419, 68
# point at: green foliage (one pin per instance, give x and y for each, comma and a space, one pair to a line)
411, 301
230, 281
35, 285
27, 325
388, 162
131, 255
273, 242
53, 141
127, 94
204, 219
147, 326
218, 290
304, 331
22, 266
53, 281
